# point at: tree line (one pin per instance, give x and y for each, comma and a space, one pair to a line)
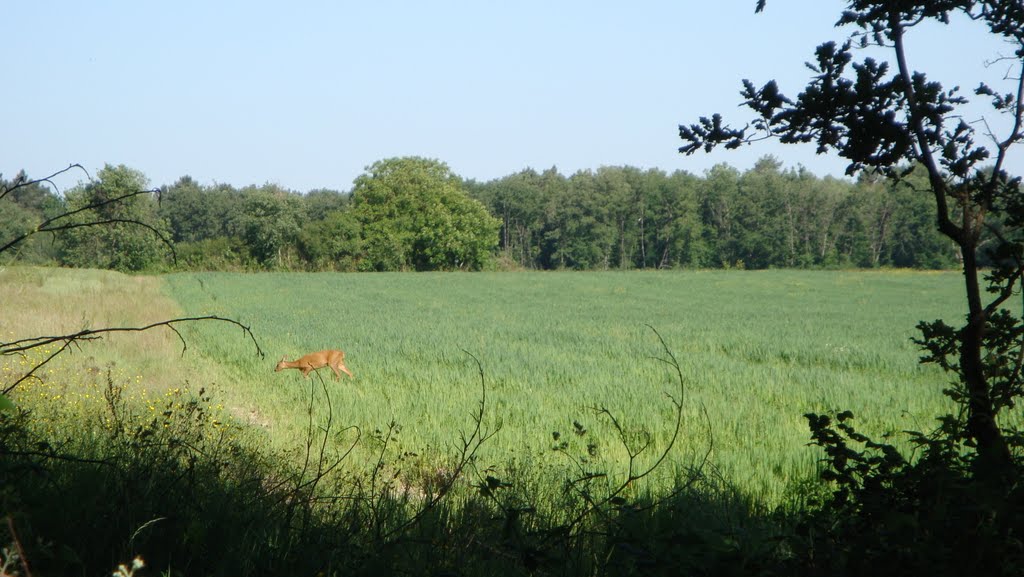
765, 217
415, 214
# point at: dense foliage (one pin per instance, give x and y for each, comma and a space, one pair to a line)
131, 235
766, 217
415, 214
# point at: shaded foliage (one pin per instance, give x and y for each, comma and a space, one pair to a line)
888, 514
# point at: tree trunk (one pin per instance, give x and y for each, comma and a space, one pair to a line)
993, 453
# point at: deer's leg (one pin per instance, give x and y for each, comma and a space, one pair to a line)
344, 368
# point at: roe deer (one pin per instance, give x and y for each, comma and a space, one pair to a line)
313, 361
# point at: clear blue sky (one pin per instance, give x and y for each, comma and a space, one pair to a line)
308, 94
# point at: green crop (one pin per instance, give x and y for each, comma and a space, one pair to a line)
757, 351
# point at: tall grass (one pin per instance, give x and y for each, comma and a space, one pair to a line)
53, 301
757, 351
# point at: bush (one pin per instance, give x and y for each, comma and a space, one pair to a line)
889, 515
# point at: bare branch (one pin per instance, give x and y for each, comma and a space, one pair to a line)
46, 179
598, 505
51, 225
31, 373
18, 546
1017, 133
23, 345
470, 446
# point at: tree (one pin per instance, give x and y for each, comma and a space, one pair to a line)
517, 200
334, 243
759, 212
812, 215
267, 222
870, 216
582, 230
196, 213
915, 240
624, 211
24, 204
414, 214
717, 201
678, 232
321, 202
133, 237
891, 118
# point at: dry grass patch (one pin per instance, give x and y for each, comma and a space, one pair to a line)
52, 302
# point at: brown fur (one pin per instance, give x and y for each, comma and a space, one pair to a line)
329, 358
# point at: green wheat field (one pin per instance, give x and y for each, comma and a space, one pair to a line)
756, 351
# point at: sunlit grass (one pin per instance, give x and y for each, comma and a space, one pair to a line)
51, 302
757, 350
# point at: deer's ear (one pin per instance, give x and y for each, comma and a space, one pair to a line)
282, 359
